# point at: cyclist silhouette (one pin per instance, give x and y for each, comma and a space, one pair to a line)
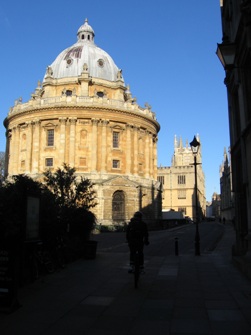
137, 237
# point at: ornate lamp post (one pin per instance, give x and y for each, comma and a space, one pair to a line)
195, 145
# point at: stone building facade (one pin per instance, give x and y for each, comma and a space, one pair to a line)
178, 182
235, 54
83, 114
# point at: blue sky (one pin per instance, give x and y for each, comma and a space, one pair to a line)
165, 48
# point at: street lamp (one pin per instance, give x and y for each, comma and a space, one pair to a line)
226, 54
195, 145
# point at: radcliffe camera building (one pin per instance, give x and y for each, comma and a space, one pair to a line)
83, 114
178, 182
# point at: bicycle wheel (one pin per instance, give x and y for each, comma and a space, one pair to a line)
48, 264
136, 270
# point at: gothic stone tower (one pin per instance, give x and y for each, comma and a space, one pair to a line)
178, 182
82, 114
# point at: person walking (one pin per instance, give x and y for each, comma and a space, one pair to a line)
137, 236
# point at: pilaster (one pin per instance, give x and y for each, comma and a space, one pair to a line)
136, 151
36, 147
155, 140
14, 154
147, 154
151, 155
104, 145
72, 141
128, 148
28, 161
93, 145
61, 156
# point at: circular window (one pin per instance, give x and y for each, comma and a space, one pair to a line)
100, 94
101, 62
69, 61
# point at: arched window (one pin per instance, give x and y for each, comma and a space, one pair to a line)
118, 206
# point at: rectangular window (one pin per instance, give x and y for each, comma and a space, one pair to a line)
181, 194
115, 164
50, 137
115, 139
48, 162
161, 179
82, 161
181, 180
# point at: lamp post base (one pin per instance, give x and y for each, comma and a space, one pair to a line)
197, 241
197, 248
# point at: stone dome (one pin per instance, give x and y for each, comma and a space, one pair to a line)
84, 55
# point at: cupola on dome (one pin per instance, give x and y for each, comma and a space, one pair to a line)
84, 55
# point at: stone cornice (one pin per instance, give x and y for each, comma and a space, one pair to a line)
80, 102
35, 109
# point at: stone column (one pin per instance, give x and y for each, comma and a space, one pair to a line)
104, 145
18, 148
61, 155
7, 153
135, 158
72, 149
128, 149
155, 140
29, 140
14, 154
93, 145
36, 147
147, 154
151, 156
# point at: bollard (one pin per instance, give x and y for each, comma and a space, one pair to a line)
176, 243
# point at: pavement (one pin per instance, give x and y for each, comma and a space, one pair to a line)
183, 295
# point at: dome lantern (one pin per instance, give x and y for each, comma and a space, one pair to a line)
86, 33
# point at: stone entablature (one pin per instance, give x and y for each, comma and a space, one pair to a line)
78, 102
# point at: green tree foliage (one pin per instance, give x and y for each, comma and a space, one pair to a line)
70, 192
74, 197
64, 210
13, 195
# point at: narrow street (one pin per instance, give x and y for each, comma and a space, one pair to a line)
183, 294
162, 242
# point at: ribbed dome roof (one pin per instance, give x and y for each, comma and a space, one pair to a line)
71, 61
